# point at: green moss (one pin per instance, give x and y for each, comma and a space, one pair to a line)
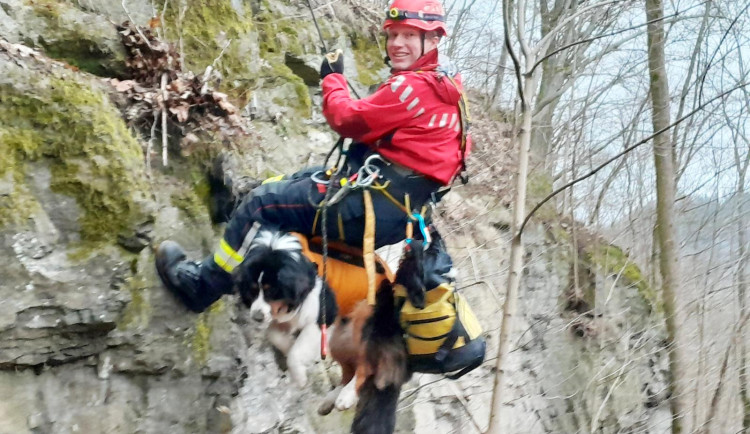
201, 339
189, 203
614, 261
80, 44
205, 29
138, 312
369, 59
91, 154
49, 9
82, 54
202, 189
19, 205
538, 186
279, 75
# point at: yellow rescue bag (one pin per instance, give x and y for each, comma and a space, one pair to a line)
444, 337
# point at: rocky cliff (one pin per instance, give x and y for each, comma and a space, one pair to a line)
91, 343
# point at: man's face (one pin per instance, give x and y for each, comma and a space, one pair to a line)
405, 45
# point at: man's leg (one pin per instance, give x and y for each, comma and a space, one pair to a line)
287, 205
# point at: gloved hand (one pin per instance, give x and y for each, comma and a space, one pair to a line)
332, 62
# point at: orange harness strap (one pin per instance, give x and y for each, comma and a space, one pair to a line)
346, 274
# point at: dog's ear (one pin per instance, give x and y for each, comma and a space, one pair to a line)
307, 281
249, 273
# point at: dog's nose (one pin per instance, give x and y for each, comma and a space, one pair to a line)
277, 308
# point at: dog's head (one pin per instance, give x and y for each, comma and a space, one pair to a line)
275, 264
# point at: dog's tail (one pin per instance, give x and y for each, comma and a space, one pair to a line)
376, 410
383, 367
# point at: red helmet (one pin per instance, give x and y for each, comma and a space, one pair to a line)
425, 15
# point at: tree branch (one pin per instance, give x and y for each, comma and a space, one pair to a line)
625, 151
584, 41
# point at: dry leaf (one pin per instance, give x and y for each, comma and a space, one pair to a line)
154, 22
125, 85
181, 111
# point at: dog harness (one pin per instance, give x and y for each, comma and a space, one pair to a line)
345, 270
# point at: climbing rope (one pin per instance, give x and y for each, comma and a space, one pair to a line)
323, 47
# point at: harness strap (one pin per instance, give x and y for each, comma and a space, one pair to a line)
368, 246
463, 110
382, 188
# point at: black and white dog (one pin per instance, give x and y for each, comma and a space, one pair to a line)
368, 343
291, 287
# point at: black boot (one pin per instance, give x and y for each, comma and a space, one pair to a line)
196, 284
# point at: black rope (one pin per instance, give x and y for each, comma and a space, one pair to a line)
320, 34
323, 47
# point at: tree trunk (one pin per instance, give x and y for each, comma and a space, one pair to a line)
516, 257
742, 277
665, 193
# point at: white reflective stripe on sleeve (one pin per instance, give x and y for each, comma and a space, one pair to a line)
443, 120
432, 121
457, 128
405, 94
249, 238
226, 257
413, 104
453, 120
419, 113
397, 82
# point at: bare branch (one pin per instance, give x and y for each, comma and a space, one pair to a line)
625, 151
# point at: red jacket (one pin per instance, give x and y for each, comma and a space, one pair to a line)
412, 119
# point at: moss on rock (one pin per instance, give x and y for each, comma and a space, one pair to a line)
138, 312
369, 59
213, 31
91, 154
79, 38
201, 338
614, 261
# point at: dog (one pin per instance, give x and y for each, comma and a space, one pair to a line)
370, 347
367, 343
298, 299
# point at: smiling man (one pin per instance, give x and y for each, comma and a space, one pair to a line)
413, 128
414, 119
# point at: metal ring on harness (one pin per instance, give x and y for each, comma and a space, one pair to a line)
316, 179
369, 171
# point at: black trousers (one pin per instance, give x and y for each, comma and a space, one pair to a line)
290, 205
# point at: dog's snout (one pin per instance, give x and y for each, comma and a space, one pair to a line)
278, 308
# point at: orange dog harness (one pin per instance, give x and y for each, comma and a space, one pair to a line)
345, 271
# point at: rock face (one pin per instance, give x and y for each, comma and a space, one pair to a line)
90, 342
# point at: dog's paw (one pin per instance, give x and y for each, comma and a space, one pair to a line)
347, 398
298, 374
329, 401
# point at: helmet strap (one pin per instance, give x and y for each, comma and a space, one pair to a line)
421, 37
